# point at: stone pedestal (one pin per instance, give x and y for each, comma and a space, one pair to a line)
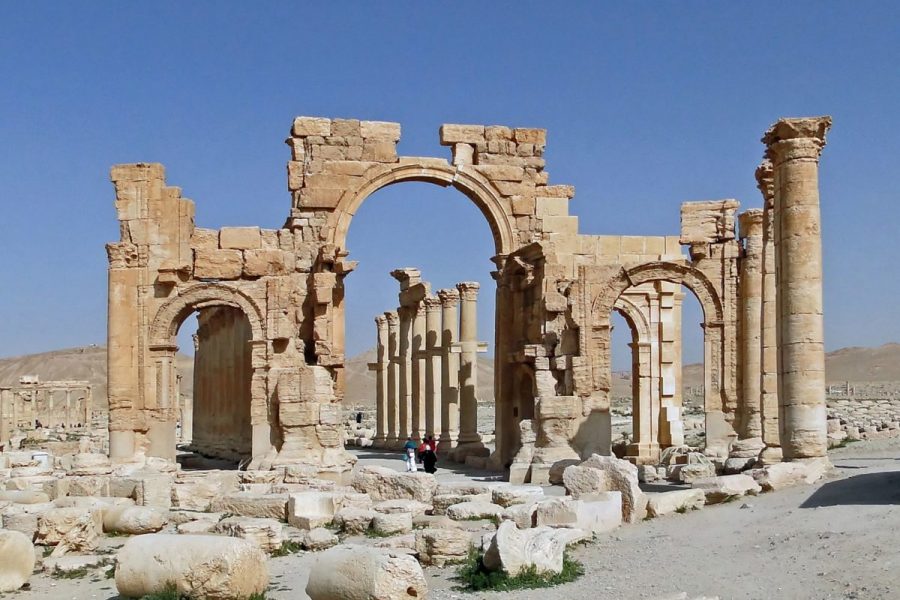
794, 146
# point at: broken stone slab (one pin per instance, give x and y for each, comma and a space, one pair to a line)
725, 487
413, 507
100, 502
733, 466
689, 473
787, 474
70, 563
133, 520
16, 560
440, 547
24, 497
382, 483
248, 504
435, 522
354, 521
507, 496
199, 566
69, 529
318, 539
472, 511
197, 492
263, 532
665, 503
392, 523
558, 468
463, 489
512, 549
523, 515
578, 480
441, 502
196, 527
592, 513
362, 573
308, 510
90, 464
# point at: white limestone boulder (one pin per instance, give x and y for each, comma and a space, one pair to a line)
726, 487
199, 491
354, 521
522, 515
133, 520
16, 560
440, 547
90, 464
362, 573
249, 504
392, 523
318, 539
199, 526
265, 533
473, 511
665, 503
24, 497
414, 507
382, 483
509, 495
102, 503
435, 522
622, 477
598, 513
787, 474
69, 529
580, 480
308, 510
199, 566
512, 549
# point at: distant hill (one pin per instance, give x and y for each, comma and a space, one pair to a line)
854, 364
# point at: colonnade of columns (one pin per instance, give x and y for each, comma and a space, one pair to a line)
54, 404
426, 369
219, 418
783, 353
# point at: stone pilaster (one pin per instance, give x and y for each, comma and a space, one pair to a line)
751, 281
449, 299
794, 146
392, 386
432, 366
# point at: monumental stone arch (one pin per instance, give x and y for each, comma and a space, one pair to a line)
271, 323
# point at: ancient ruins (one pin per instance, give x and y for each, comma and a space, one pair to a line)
64, 404
270, 353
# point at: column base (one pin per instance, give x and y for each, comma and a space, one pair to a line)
466, 449
448, 440
770, 455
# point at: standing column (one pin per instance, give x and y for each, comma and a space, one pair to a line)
405, 371
418, 357
68, 408
393, 378
469, 440
5, 429
449, 369
751, 224
432, 366
769, 406
381, 380
795, 146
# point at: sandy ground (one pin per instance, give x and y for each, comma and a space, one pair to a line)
836, 539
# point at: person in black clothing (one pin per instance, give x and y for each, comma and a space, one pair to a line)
429, 455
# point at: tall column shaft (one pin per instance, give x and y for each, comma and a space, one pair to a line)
768, 363
432, 377
393, 377
468, 367
449, 368
381, 380
417, 362
751, 275
405, 372
5, 414
795, 146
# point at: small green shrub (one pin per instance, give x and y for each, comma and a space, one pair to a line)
287, 547
372, 533
681, 509
72, 574
474, 577
170, 592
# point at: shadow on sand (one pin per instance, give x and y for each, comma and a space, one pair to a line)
864, 489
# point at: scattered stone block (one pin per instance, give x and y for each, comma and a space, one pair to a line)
250, 504
471, 511
133, 520
507, 496
392, 523
440, 547
361, 573
513, 550
16, 560
725, 487
668, 502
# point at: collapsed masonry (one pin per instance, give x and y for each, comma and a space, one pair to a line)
556, 290
65, 404
426, 372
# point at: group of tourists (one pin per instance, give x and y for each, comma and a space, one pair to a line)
424, 453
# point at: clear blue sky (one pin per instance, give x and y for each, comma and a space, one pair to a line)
647, 105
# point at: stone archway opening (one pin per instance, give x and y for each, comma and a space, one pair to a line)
214, 371
448, 240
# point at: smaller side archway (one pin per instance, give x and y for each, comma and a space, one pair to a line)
229, 409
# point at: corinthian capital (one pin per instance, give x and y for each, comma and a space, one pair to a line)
793, 139
468, 290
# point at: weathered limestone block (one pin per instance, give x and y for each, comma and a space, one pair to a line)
260, 263
75, 529
507, 496
133, 520
454, 134
580, 480
200, 566
70, 563
24, 497
16, 560
382, 483
89, 485
354, 521
440, 547
249, 504
720, 489
668, 502
471, 511
311, 126
392, 523
708, 222
199, 526
90, 464
787, 474
239, 238
380, 130
265, 533
361, 573
102, 503
318, 539
622, 478
198, 492
308, 510
218, 264
435, 522
513, 550
394, 506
